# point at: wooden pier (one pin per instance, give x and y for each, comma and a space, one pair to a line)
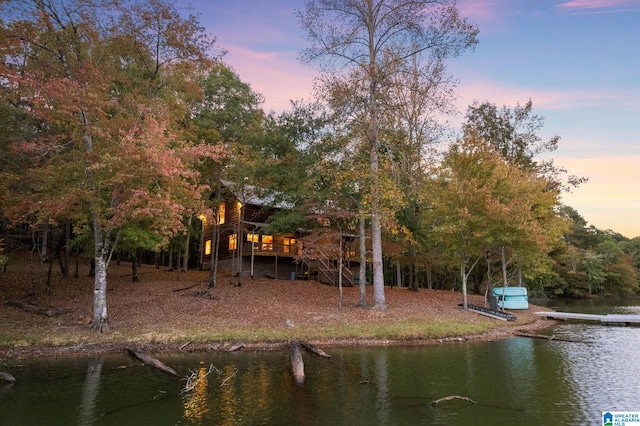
610, 319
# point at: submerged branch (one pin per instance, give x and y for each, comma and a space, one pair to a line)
194, 378
542, 336
452, 397
7, 377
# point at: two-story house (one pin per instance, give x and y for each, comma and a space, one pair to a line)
246, 250
243, 247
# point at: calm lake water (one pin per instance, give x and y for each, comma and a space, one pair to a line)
515, 381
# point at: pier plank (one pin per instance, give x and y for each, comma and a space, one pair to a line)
609, 319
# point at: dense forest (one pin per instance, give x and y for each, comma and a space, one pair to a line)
118, 120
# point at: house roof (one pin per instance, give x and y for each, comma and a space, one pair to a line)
250, 194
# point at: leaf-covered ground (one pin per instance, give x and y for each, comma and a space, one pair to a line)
169, 312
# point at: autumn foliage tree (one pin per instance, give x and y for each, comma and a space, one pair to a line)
105, 84
359, 45
479, 202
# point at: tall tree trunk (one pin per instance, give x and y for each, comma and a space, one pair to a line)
100, 320
463, 275
215, 241
239, 244
362, 299
413, 279
429, 276
378, 273
340, 266
376, 225
49, 274
67, 249
170, 254
213, 262
503, 259
185, 259
379, 302
487, 291
44, 253
179, 268
134, 266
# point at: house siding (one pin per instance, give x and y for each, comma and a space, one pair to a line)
271, 259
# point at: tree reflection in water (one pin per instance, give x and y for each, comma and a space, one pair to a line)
90, 390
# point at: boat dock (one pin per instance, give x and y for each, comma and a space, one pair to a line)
610, 319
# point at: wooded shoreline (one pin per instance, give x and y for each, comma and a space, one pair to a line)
38, 351
260, 315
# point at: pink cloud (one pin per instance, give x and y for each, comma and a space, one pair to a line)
278, 76
478, 8
596, 4
483, 89
489, 15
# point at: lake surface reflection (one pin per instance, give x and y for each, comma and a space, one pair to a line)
516, 381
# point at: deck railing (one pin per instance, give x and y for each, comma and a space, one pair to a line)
269, 249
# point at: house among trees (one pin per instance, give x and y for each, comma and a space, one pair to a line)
246, 249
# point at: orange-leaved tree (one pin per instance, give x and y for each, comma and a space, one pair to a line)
106, 85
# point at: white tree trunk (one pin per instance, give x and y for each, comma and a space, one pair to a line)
378, 276
100, 319
463, 275
362, 301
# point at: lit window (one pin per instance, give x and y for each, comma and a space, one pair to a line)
221, 212
267, 242
253, 238
233, 242
207, 248
289, 244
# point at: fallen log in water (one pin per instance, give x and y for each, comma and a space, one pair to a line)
521, 333
7, 377
151, 361
297, 364
309, 347
235, 347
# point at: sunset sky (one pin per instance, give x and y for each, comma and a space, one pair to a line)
578, 61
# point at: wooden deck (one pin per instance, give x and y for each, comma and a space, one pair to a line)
610, 319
